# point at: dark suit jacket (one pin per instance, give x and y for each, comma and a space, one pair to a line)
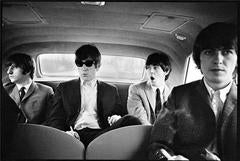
9, 111
67, 104
36, 102
187, 125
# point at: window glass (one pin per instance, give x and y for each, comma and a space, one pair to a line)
113, 68
52, 65
193, 73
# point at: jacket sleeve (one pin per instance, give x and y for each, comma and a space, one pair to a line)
135, 106
118, 108
57, 116
49, 99
164, 130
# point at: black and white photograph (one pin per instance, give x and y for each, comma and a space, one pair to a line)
119, 80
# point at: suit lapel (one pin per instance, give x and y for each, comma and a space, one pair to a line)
202, 90
202, 95
15, 95
229, 106
76, 93
30, 90
73, 95
150, 94
99, 94
230, 103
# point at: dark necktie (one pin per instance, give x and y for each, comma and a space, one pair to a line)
158, 102
21, 117
22, 93
217, 107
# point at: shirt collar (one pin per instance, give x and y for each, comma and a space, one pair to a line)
161, 88
223, 91
91, 83
27, 86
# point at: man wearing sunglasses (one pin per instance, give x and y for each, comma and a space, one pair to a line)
86, 107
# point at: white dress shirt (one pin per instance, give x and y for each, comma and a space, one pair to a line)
88, 114
27, 86
223, 94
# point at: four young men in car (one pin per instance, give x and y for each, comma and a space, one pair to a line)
197, 122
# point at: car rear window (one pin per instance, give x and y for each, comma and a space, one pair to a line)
113, 68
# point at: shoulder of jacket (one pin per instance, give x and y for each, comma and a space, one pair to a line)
139, 84
106, 84
43, 86
188, 86
8, 86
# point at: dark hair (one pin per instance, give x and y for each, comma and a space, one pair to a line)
160, 59
88, 51
215, 36
23, 61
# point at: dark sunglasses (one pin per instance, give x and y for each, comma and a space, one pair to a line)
88, 63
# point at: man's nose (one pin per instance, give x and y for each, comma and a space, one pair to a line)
10, 70
84, 66
218, 59
151, 70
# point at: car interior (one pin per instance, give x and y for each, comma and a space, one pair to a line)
124, 32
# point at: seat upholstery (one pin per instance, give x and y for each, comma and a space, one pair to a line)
126, 143
123, 94
52, 84
41, 142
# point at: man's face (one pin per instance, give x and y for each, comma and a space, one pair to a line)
155, 75
16, 75
87, 70
218, 65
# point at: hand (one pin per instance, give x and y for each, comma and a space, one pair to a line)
73, 133
210, 156
178, 157
173, 157
113, 119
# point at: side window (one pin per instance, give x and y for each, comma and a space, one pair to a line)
193, 73
113, 68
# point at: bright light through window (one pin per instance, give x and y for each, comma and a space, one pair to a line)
114, 68
193, 72
57, 65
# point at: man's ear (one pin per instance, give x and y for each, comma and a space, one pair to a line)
26, 73
235, 75
98, 66
167, 72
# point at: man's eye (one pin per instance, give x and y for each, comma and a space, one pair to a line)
207, 52
12, 66
156, 67
226, 52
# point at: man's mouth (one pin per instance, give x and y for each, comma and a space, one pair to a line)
217, 70
152, 78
